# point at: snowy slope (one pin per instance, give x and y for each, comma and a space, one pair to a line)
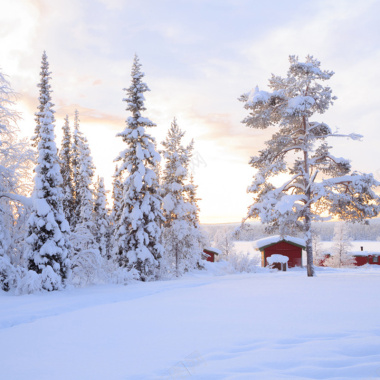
279, 325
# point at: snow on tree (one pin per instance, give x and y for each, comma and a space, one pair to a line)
191, 197
340, 250
319, 255
16, 159
182, 235
117, 196
48, 253
84, 230
76, 151
138, 230
101, 219
224, 240
318, 182
44, 98
65, 157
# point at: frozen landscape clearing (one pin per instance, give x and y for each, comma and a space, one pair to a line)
279, 325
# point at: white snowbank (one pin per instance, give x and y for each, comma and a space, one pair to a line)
244, 326
276, 258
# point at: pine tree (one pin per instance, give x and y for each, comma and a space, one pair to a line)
75, 150
318, 183
65, 158
182, 237
101, 219
117, 196
191, 196
138, 231
84, 193
44, 98
48, 228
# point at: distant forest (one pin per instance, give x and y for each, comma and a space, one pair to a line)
255, 230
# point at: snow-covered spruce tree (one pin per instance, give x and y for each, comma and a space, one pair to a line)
138, 230
65, 158
191, 197
48, 229
75, 162
318, 183
101, 218
44, 97
340, 249
84, 172
117, 196
182, 236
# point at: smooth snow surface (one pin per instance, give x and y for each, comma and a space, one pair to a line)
269, 325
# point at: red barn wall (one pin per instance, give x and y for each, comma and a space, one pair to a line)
363, 260
283, 248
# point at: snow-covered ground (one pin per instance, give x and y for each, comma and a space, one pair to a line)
267, 325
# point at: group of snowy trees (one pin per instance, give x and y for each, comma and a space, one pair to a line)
68, 233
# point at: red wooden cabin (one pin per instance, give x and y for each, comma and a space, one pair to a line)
210, 253
287, 246
366, 258
361, 258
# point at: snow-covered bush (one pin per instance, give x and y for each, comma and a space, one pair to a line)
124, 276
88, 267
243, 262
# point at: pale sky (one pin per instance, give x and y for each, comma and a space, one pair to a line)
199, 56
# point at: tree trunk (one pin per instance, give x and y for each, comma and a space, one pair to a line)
307, 182
309, 248
177, 262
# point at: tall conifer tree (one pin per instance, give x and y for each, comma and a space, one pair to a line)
138, 231
182, 236
44, 98
65, 158
101, 218
48, 228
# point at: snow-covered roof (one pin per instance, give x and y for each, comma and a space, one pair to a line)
265, 242
369, 248
213, 249
364, 253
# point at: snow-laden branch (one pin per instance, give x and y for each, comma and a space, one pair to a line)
26, 201
352, 136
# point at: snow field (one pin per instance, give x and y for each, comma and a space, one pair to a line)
279, 325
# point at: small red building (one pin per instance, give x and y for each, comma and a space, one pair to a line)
288, 246
363, 258
210, 253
